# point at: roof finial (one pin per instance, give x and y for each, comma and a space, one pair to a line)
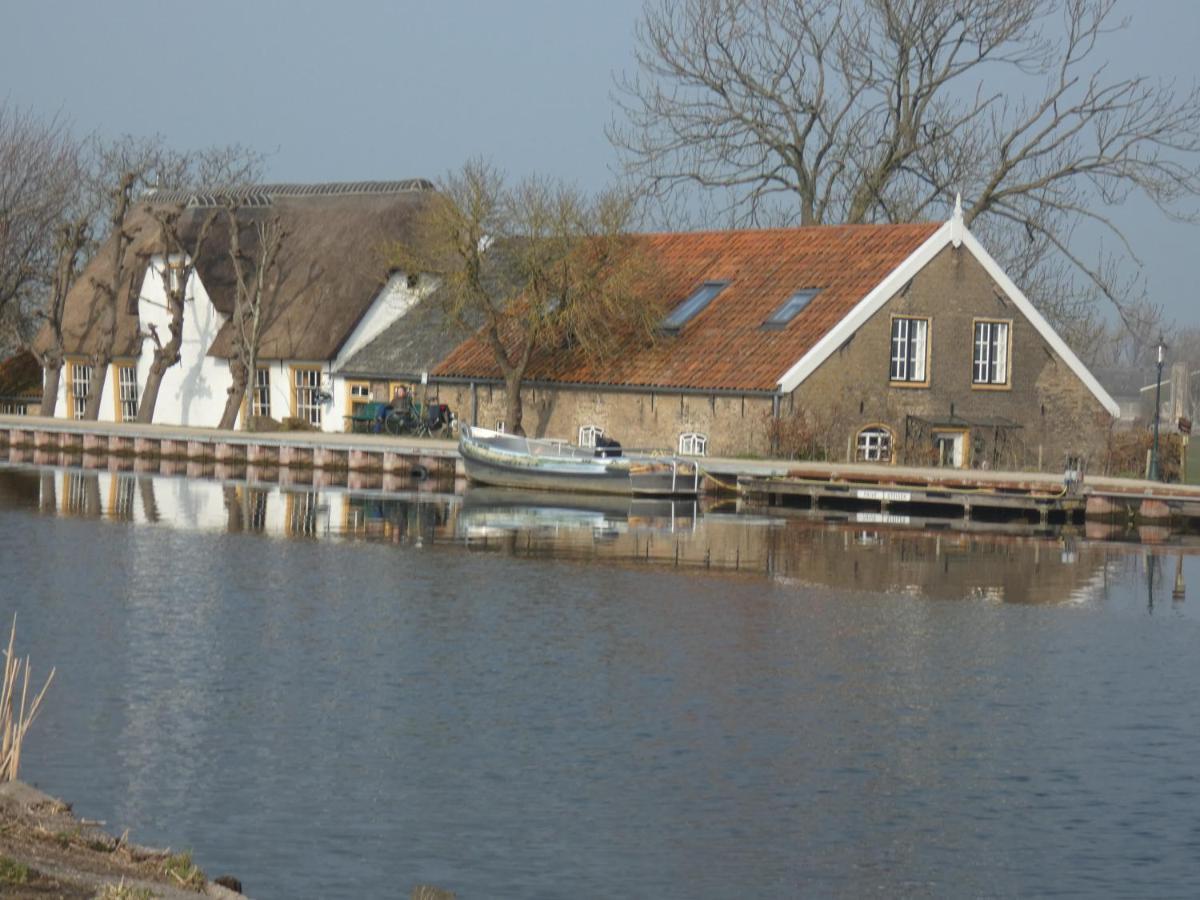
957, 227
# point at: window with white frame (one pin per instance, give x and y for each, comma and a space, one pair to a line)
588, 435
874, 445
693, 444
308, 395
991, 353
910, 338
81, 387
127, 392
260, 397
500, 425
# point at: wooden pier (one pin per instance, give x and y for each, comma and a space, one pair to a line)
997, 497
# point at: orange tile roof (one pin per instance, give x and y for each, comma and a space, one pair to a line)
725, 347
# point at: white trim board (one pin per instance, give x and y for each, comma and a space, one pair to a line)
952, 232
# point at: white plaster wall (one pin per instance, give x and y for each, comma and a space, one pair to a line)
193, 391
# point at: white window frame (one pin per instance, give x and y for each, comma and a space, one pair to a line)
306, 394
989, 363
692, 443
588, 435
909, 346
81, 388
260, 392
873, 444
500, 426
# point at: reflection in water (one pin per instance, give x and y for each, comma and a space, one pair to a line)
329, 719
865, 554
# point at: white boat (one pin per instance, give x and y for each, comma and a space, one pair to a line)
509, 460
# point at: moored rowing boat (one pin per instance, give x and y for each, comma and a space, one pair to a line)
507, 460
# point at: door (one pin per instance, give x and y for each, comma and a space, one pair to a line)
950, 447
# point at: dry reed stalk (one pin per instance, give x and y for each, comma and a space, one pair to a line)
13, 729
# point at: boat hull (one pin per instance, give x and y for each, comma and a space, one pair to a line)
637, 476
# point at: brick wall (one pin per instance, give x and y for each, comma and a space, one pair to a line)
1058, 414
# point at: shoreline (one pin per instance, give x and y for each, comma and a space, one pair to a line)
45, 850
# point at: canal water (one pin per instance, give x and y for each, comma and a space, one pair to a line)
343, 694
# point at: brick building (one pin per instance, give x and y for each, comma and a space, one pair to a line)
873, 342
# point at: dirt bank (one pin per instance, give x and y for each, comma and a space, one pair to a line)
45, 851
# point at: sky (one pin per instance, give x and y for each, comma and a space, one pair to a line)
372, 89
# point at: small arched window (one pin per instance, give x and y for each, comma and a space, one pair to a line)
588, 435
693, 444
874, 445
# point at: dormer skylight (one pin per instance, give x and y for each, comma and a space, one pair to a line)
689, 308
791, 308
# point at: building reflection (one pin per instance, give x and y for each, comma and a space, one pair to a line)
864, 553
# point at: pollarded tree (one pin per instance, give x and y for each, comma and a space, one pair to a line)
256, 275
180, 246
540, 265
846, 111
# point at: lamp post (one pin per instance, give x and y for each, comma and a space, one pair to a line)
1154, 468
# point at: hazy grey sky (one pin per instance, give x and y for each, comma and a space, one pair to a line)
368, 89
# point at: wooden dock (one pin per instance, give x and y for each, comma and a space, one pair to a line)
969, 494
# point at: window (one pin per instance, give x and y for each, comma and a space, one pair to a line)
260, 396
357, 393
692, 444
127, 392
874, 445
910, 339
991, 353
689, 308
500, 426
306, 395
791, 308
588, 435
79, 384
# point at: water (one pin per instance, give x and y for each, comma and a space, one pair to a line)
345, 695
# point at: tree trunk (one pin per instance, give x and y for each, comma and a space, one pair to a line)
50, 380
513, 408
150, 392
234, 396
91, 410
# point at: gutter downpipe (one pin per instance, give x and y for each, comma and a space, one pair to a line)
776, 405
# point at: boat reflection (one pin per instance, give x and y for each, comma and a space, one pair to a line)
806, 552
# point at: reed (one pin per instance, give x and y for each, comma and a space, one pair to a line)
16, 711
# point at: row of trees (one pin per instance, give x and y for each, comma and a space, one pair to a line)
63, 200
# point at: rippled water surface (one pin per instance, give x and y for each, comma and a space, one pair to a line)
331, 694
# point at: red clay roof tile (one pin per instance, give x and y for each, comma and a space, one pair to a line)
725, 347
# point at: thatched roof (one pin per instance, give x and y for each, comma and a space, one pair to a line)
21, 376
87, 314
331, 266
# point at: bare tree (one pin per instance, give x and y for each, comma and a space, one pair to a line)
846, 111
72, 237
255, 274
149, 165
109, 294
540, 265
180, 245
39, 170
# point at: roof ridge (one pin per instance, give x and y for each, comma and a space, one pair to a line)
791, 229
262, 194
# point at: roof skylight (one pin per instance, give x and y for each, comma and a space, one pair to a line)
791, 308
689, 308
